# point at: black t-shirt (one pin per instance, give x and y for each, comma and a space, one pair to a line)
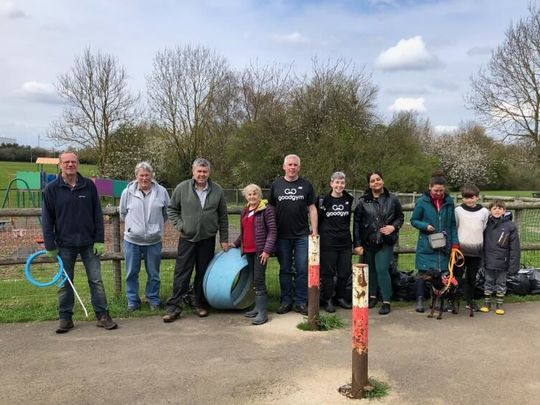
335, 223
291, 200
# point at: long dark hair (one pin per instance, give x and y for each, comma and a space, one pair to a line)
378, 173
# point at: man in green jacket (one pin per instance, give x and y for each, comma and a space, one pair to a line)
198, 210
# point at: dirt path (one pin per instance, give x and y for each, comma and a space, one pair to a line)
222, 359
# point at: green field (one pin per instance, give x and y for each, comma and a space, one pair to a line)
8, 170
505, 193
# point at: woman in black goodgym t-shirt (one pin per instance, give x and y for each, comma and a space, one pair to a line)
336, 244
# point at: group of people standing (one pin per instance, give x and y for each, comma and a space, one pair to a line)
73, 224
486, 238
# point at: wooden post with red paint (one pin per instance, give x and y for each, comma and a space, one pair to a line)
313, 281
359, 330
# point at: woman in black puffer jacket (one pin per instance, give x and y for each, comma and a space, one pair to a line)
377, 219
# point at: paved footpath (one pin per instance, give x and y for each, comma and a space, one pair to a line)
488, 359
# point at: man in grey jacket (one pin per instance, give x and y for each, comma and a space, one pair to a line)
198, 210
143, 207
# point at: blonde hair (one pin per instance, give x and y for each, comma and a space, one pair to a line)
252, 186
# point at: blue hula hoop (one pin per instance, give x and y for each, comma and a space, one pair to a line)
59, 278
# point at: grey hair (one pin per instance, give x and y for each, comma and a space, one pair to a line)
252, 187
200, 162
65, 152
337, 176
291, 156
147, 167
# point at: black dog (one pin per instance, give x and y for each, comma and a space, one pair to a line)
440, 292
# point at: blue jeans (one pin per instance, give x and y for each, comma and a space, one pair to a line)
152, 259
287, 251
92, 265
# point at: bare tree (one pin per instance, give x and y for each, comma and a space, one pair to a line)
191, 94
264, 89
97, 100
506, 93
331, 115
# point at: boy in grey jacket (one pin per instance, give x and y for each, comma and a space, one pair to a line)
501, 254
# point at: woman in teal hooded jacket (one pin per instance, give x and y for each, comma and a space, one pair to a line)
433, 212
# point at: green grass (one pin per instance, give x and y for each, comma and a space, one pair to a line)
21, 301
374, 390
326, 322
380, 389
8, 171
507, 193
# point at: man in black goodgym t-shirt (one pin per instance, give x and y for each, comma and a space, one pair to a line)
294, 201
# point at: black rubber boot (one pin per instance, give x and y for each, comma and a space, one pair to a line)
420, 304
261, 302
252, 313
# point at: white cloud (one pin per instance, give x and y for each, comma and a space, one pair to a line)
408, 104
40, 92
294, 38
445, 129
10, 11
407, 54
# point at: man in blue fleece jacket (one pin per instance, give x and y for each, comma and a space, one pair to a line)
73, 224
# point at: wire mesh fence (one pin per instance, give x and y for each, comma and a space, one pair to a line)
20, 236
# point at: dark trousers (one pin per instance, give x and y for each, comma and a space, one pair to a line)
379, 271
92, 265
471, 266
198, 254
335, 264
258, 270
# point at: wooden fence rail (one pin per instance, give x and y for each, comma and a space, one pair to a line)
116, 256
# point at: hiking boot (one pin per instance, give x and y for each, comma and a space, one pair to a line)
171, 316
201, 312
133, 308
385, 309
342, 302
301, 309
105, 321
284, 308
154, 307
329, 306
474, 305
372, 302
420, 305
64, 326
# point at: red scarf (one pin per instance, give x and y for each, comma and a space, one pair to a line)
437, 202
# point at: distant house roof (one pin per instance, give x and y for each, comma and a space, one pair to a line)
47, 161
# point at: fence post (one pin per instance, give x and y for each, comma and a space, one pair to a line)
518, 220
360, 330
116, 263
313, 282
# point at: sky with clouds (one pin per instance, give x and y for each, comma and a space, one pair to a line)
420, 53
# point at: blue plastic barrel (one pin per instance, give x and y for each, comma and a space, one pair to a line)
228, 282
